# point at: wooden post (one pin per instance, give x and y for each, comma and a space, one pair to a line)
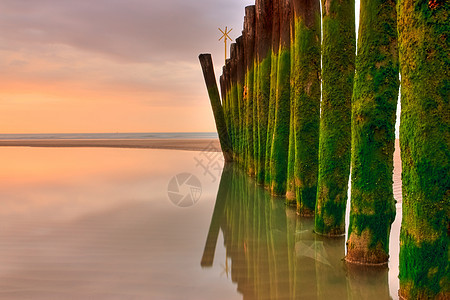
249, 46
228, 115
375, 96
275, 45
280, 143
306, 82
240, 76
338, 70
423, 28
213, 92
234, 101
263, 42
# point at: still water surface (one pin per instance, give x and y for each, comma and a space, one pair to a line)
87, 223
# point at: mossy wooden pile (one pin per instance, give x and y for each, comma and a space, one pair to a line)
276, 128
375, 96
424, 31
338, 69
306, 102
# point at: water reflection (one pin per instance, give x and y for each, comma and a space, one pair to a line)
274, 253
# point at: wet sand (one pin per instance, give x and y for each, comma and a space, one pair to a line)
170, 144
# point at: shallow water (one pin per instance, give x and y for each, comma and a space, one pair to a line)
82, 223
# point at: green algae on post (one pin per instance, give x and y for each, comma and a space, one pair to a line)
290, 185
240, 77
423, 31
249, 45
338, 68
234, 101
374, 104
263, 42
306, 83
213, 92
280, 142
275, 45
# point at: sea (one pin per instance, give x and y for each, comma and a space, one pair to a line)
110, 136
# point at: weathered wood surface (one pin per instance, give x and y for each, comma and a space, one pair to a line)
213, 92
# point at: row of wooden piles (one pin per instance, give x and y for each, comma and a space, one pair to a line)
299, 108
270, 89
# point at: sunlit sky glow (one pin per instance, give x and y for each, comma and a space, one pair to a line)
109, 65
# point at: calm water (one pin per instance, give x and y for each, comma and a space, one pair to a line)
98, 223
117, 135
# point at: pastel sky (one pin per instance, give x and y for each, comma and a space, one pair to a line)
109, 65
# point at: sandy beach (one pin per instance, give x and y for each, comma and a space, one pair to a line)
211, 145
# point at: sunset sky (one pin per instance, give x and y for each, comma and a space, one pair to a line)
109, 65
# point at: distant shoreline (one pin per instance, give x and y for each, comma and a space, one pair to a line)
211, 145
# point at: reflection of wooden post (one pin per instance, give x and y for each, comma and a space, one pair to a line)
213, 92
330, 269
368, 282
216, 220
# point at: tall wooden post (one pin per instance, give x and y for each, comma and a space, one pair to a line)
234, 101
306, 82
338, 69
249, 46
263, 41
375, 96
423, 28
275, 45
240, 78
280, 142
213, 92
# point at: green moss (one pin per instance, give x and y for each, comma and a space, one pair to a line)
234, 120
424, 141
280, 142
271, 118
338, 64
240, 123
374, 105
249, 151
290, 188
425, 273
256, 125
263, 95
306, 113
